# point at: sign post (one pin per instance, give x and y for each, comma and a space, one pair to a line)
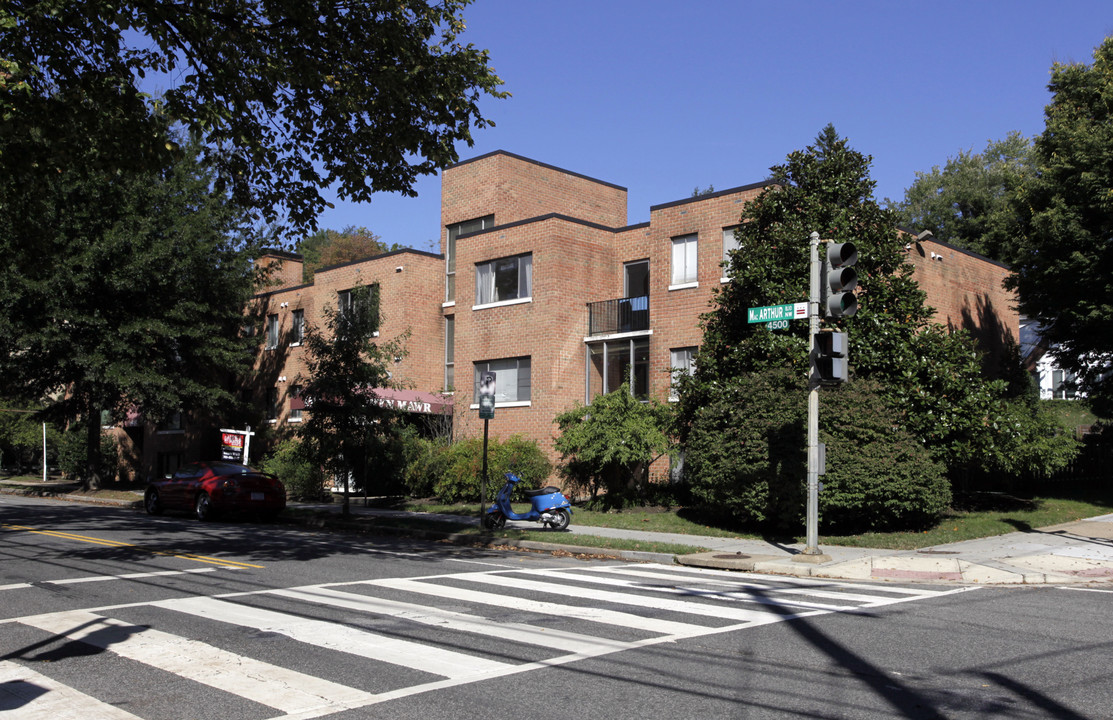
235, 445
487, 412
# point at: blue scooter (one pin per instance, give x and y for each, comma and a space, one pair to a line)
548, 505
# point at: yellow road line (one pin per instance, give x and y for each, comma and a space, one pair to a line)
116, 543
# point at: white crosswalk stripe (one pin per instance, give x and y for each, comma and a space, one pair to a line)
337, 637
35, 697
602, 609
254, 680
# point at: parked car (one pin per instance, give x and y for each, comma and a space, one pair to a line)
212, 488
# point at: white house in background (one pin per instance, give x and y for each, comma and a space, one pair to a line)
1054, 382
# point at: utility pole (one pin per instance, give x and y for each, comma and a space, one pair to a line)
831, 284
811, 551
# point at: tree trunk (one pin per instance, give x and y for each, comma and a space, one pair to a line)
91, 478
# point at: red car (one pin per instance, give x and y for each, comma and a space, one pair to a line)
212, 488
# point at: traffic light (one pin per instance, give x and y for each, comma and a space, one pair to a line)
840, 279
829, 363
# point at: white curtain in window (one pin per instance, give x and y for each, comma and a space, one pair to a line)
484, 283
684, 259
729, 243
525, 276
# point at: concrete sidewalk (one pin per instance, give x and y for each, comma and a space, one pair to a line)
1077, 552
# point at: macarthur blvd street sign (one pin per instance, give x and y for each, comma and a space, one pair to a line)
773, 313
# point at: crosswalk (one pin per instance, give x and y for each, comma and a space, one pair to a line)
291, 652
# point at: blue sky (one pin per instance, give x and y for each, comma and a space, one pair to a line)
661, 97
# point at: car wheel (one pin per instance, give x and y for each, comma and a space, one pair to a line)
152, 502
204, 507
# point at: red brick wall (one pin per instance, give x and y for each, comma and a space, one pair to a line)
409, 299
515, 188
967, 291
573, 264
283, 269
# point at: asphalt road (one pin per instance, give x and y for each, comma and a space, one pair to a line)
107, 613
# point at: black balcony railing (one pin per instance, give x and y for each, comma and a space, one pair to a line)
608, 317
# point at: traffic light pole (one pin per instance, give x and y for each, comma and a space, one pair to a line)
811, 552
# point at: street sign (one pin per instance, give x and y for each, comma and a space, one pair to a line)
487, 395
486, 407
769, 313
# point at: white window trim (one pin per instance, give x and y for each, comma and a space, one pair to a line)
450, 303
512, 404
684, 286
617, 336
501, 303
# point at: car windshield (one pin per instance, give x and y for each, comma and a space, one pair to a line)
226, 468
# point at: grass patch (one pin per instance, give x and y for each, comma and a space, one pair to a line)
973, 516
982, 515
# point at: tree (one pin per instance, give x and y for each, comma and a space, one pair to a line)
346, 426
931, 376
125, 290
325, 248
288, 97
1062, 259
610, 443
969, 202
21, 435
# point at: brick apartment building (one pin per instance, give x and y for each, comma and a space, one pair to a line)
541, 279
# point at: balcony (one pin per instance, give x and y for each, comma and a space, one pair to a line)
623, 315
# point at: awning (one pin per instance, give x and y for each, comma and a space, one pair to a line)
414, 401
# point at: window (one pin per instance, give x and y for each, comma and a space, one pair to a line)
346, 299
343, 301
682, 362
295, 413
272, 332
171, 423
1064, 385
504, 280
272, 404
512, 379
297, 329
636, 279
455, 230
612, 363
684, 260
450, 353
730, 243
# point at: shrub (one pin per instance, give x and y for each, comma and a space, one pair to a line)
745, 452
609, 445
460, 465
290, 462
419, 461
72, 452
746, 455
879, 477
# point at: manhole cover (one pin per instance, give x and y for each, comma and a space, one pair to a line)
937, 552
732, 556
